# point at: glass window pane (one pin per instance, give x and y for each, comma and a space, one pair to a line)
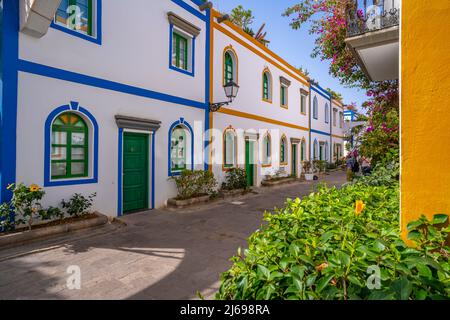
59, 169
78, 138
59, 153
78, 154
229, 149
77, 168
59, 137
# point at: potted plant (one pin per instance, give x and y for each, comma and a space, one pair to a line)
308, 170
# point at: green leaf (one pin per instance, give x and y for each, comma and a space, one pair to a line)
414, 235
306, 259
263, 272
439, 219
424, 271
353, 279
323, 282
414, 225
403, 288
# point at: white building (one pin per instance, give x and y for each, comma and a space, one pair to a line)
91, 104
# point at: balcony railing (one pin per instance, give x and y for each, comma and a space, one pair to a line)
372, 15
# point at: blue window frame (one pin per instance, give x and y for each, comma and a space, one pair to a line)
92, 146
181, 52
181, 147
80, 18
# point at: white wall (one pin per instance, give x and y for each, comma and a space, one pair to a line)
38, 96
135, 49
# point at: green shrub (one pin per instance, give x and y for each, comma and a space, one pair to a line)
382, 175
6, 221
320, 165
192, 184
236, 179
26, 203
78, 205
321, 248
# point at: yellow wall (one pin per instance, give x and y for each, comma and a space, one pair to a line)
425, 109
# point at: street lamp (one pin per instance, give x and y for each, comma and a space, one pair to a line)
231, 91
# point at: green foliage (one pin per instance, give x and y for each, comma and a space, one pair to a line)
321, 248
382, 175
191, 184
26, 202
236, 179
242, 18
320, 165
78, 205
6, 222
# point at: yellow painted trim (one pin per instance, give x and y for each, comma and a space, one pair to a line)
336, 136
267, 70
338, 103
249, 47
259, 118
255, 42
236, 67
229, 128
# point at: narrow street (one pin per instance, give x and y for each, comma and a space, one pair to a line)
162, 254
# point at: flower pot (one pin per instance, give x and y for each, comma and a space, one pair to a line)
309, 176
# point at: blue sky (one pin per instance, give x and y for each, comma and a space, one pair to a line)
295, 46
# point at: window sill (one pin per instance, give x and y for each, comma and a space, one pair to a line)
186, 72
96, 40
226, 169
265, 100
71, 182
266, 165
284, 107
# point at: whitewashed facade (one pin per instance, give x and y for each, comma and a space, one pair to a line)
118, 109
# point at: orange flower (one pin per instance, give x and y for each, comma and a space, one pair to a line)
34, 188
333, 282
359, 207
322, 266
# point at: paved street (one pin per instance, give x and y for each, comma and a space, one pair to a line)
162, 254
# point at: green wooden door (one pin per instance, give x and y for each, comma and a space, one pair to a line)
135, 172
294, 160
249, 163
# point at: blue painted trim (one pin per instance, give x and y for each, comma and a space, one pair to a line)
190, 9
320, 93
207, 88
119, 173
171, 66
188, 126
46, 71
317, 87
320, 132
8, 107
74, 107
98, 29
153, 167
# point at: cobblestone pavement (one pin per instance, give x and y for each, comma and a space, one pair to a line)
161, 254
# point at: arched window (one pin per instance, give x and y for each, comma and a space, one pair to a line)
327, 151
69, 147
315, 108
327, 113
267, 86
181, 147
267, 150
229, 148
283, 150
303, 150
229, 66
178, 149
315, 150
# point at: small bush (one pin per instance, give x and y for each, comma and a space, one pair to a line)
320, 165
339, 244
26, 202
78, 205
6, 220
236, 179
191, 184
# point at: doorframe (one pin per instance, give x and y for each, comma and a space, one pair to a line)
151, 169
252, 144
295, 165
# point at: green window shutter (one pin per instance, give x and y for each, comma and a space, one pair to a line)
229, 68
179, 51
70, 147
266, 87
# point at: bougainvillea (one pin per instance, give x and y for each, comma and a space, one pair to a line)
328, 20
